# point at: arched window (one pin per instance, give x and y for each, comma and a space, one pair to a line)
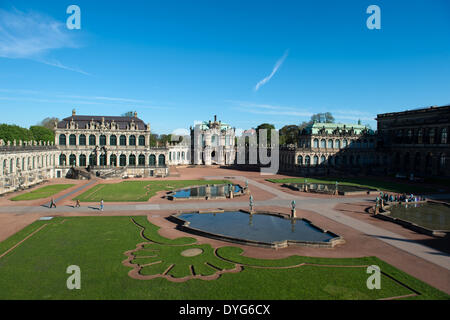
132, 140
92, 140
103, 140
322, 143
102, 159
62, 139
431, 134
72, 140
113, 160
123, 140
132, 160
344, 143
182, 155
92, 159
123, 160
442, 163
73, 160
330, 144
82, 140
307, 160
300, 160
315, 143
420, 136
62, 160
338, 144
315, 160
142, 140
141, 160
322, 160
161, 160
444, 135
82, 162
113, 140
152, 160
178, 155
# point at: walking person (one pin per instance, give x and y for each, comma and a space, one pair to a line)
52, 204
101, 205
77, 205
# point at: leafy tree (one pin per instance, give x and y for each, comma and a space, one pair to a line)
326, 117
289, 134
269, 127
42, 133
12, 132
48, 122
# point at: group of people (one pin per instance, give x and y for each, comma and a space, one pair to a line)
383, 198
77, 204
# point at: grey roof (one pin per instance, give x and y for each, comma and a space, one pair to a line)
122, 122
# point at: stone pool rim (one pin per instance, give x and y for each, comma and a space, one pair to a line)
170, 194
363, 191
385, 215
184, 225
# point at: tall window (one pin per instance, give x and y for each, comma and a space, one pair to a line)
420, 136
123, 160
113, 140
132, 140
431, 135
315, 143
141, 160
92, 159
142, 140
338, 144
62, 160
103, 140
102, 159
330, 144
344, 143
82, 140
62, 139
92, 140
123, 140
161, 160
73, 160
322, 160
315, 160
113, 160
72, 140
322, 143
300, 160
152, 160
132, 160
444, 136
82, 160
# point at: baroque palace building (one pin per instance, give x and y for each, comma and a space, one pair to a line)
114, 146
213, 142
26, 163
328, 147
416, 141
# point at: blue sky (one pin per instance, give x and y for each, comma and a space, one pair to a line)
249, 62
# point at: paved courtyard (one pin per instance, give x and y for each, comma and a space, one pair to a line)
421, 256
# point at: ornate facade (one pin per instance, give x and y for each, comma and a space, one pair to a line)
213, 143
25, 163
416, 141
329, 146
115, 146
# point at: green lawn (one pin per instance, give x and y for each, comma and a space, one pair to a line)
385, 185
43, 192
137, 190
37, 268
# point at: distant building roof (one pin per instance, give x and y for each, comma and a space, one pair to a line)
331, 127
123, 123
415, 111
206, 125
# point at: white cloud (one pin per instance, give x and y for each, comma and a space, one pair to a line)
274, 70
33, 36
